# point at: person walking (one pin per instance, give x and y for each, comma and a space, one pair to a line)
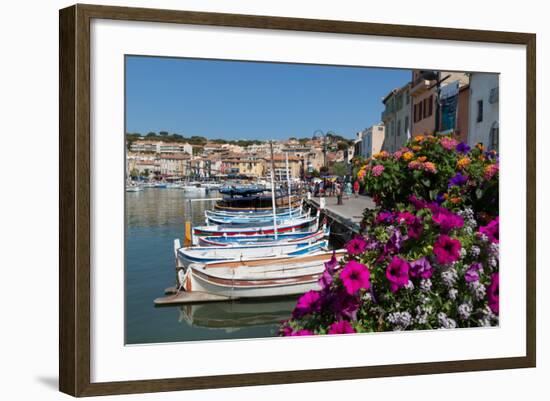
348, 190
356, 188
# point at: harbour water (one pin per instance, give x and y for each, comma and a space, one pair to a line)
154, 217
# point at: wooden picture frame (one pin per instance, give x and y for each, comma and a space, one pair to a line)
74, 198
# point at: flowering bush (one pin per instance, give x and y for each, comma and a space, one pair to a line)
419, 266
435, 168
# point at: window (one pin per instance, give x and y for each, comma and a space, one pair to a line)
431, 103
415, 119
399, 128
479, 111
425, 101
407, 97
493, 137
420, 111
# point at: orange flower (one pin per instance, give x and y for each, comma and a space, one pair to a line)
419, 138
480, 146
408, 156
430, 167
463, 163
456, 200
422, 159
416, 148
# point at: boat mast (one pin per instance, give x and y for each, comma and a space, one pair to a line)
273, 191
288, 186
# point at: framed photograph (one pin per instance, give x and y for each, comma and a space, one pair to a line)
250, 200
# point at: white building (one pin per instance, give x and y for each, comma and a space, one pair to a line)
397, 117
371, 140
149, 146
484, 110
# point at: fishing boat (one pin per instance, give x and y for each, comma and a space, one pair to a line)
219, 230
255, 218
210, 254
265, 239
133, 188
279, 211
257, 277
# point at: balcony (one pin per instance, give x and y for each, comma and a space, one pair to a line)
420, 86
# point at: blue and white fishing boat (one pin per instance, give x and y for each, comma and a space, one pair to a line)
253, 219
212, 254
268, 239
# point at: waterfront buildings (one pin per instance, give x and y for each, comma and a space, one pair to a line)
484, 110
396, 117
370, 140
152, 146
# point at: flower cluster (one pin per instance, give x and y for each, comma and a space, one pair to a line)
417, 266
436, 168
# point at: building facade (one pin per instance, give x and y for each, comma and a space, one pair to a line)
484, 110
148, 146
371, 141
397, 118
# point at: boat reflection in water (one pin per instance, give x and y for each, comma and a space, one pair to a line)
237, 315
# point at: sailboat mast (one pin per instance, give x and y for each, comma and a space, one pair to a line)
288, 186
273, 191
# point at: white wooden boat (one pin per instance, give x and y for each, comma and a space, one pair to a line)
133, 188
255, 228
210, 254
265, 239
259, 277
253, 219
280, 211
193, 189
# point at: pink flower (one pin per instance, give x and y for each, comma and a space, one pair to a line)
308, 303
303, 332
355, 276
445, 219
490, 171
448, 143
341, 327
397, 273
356, 246
446, 249
491, 230
377, 170
492, 293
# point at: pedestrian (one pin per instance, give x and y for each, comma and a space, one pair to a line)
356, 188
348, 190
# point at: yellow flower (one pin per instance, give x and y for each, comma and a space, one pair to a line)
408, 156
416, 148
463, 163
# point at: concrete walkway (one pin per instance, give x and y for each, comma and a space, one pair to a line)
350, 213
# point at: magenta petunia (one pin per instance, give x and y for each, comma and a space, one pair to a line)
342, 304
414, 224
332, 263
446, 220
355, 276
491, 230
417, 203
308, 303
397, 273
384, 217
303, 332
356, 246
492, 293
341, 327
446, 249
421, 268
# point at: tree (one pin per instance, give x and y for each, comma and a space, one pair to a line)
146, 173
151, 134
342, 145
134, 173
163, 133
339, 169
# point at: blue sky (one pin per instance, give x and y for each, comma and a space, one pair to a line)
249, 100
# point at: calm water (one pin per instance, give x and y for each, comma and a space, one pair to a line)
155, 217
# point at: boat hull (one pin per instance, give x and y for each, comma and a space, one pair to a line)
258, 278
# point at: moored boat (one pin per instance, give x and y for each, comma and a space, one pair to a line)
212, 254
258, 278
267, 239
